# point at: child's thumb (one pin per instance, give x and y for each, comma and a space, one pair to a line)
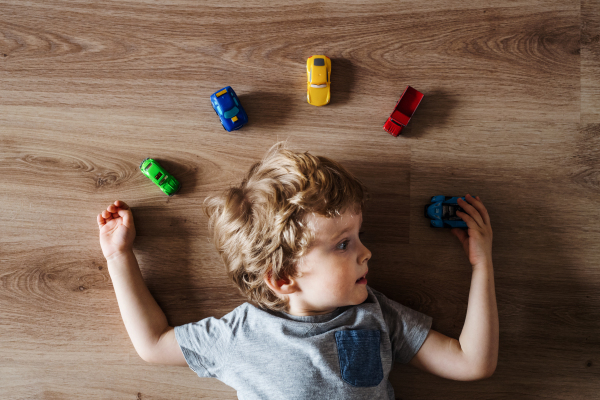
126, 215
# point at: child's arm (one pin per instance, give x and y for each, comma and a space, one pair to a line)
153, 339
475, 355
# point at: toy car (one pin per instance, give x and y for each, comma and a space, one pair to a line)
318, 73
403, 112
442, 212
157, 174
227, 106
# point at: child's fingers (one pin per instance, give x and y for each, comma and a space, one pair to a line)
113, 209
481, 208
471, 223
472, 211
121, 204
126, 214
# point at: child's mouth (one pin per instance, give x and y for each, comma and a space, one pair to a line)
362, 280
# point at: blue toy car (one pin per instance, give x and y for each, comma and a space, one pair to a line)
442, 212
228, 108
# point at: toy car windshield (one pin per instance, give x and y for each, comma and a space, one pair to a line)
319, 62
231, 113
449, 212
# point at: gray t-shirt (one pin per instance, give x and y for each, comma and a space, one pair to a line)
346, 354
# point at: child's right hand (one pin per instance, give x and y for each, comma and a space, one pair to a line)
478, 242
116, 229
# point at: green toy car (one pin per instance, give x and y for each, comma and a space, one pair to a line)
157, 174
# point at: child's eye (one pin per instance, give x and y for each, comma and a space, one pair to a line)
343, 245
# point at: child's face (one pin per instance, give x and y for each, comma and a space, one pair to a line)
332, 272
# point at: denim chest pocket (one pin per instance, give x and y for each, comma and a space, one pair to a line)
360, 358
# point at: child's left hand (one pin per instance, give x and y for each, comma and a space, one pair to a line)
117, 230
478, 243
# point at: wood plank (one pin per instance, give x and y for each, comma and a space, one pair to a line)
590, 62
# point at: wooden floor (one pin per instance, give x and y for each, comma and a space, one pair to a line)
511, 113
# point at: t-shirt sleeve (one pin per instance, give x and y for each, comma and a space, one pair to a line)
207, 344
408, 328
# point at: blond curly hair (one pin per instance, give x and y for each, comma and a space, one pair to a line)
260, 227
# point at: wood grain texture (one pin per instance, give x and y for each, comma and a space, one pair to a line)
590, 62
511, 113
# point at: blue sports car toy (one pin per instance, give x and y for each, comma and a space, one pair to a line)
228, 108
442, 212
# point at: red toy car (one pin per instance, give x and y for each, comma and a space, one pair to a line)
404, 110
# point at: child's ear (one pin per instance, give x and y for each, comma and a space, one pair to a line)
284, 285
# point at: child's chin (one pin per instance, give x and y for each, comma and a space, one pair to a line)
366, 293
362, 296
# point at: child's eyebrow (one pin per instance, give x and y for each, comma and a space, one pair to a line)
347, 229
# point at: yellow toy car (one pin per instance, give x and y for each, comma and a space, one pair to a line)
318, 71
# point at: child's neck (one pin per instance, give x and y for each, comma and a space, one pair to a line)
302, 310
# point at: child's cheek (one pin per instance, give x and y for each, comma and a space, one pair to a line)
339, 286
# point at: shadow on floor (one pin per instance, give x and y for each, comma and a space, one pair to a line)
434, 111
266, 109
342, 80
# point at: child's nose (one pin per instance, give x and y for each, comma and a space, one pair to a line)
365, 255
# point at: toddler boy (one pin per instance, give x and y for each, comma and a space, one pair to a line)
289, 236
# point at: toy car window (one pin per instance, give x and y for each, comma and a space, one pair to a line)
449, 212
318, 86
148, 166
319, 62
157, 177
162, 180
231, 113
